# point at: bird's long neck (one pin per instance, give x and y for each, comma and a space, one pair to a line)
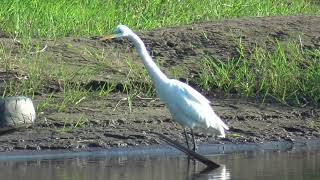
155, 73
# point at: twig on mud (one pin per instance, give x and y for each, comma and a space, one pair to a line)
88, 109
42, 50
139, 97
143, 98
123, 99
224, 105
83, 98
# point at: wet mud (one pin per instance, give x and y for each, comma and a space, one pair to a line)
107, 122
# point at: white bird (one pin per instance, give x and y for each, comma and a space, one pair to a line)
186, 105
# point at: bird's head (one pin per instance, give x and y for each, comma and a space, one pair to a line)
119, 32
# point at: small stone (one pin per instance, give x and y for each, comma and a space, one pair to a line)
93, 144
121, 121
16, 110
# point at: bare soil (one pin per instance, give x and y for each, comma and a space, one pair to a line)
108, 121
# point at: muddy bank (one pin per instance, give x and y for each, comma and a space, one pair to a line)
107, 122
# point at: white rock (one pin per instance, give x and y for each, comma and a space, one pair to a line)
16, 110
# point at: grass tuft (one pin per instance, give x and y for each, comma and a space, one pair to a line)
287, 74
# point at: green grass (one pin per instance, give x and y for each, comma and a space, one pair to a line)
40, 18
34, 73
287, 74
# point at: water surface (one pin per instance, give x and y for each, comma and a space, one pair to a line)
302, 164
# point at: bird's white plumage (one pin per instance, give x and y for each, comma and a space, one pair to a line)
189, 108
186, 105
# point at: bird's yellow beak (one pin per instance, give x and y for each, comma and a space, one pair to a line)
107, 37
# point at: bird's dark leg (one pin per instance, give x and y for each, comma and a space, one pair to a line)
186, 136
194, 142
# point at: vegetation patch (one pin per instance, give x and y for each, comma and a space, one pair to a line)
82, 18
289, 74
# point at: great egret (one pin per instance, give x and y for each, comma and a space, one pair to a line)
186, 105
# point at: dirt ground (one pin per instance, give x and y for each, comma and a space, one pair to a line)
108, 122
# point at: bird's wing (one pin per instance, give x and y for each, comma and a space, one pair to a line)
189, 92
193, 105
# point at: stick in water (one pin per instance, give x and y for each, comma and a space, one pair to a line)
189, 152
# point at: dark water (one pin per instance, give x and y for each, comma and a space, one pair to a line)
302, 164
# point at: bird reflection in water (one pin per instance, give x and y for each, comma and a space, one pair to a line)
200, 173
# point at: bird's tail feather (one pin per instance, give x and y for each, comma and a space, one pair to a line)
216, 123
224, 125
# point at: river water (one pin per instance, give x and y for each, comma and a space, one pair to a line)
291, 165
